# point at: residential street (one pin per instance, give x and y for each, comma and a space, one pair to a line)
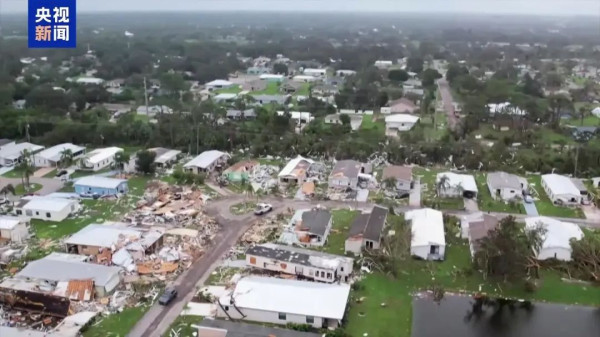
49, 185
447, 102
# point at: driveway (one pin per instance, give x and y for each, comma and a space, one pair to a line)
447, 101
530, 208
471, 205
49, 185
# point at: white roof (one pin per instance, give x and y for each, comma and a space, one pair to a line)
596, 112
90, 80
221, 83
314, 70
48, 204
205, 159
383, 62
99, 181
297, 114
102, 235
9, 222
99, 155
15, 150
466, 181
165, 157
558, 233
505, 108
54, 153
291, 165
225, 96
560, 185
427, 227
269, 76
290, 296
153, 110
303, 77
401, 118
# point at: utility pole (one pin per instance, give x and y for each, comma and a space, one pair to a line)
27, 132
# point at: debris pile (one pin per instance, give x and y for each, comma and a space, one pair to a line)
262, 177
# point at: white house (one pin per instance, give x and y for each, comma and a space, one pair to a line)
218, 84
561, 189
272, 77
295, 171
304, 78
456, 185
428, 241
505, 186
13, 229
300, 117
383, 64
12, 153
355, 112
345, 174
315, 72
366, 231
46, 208
311, 264
596, 112
280, 301
89, 81
398, 123
556, 239
207, 162
100, 158
505, 108
344, 72
153, 110
52, 156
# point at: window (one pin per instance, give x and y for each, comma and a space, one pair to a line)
28, 213
48, 215
37, 213
322, 274
341, 268
19, 212
226, 308
310, 319
282, 316
328, 275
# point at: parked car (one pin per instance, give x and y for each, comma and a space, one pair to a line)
263, 208
528, 198
167, 297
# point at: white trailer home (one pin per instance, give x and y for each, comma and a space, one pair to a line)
557, 237
428, 241
45, 208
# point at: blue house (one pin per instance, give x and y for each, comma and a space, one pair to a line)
97, 185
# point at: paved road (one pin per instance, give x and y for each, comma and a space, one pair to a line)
447, 101
49, 185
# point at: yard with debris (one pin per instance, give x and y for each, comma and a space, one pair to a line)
544, 204
117, 325
342, 221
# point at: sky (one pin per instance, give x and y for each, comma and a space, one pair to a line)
524, 7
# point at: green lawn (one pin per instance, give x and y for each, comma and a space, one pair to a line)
487, 203
454, 274
553, 137
545, 206
50, 174
33, 187
370, 122
303, 91
271, 89
236, 89
118, 324
342, 220
437, 131
14, 173
182, 325
587, 121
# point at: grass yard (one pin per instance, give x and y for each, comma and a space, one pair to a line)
183, 326
117, 325
545, 206
587, 121
33, 187
437, 131
342, 220
236, 89
271, 89
371, 122
455, 274
303, 91
553, 137
50, 174
14, 173
487, 203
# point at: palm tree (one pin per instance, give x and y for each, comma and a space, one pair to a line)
26, 168
7, 189
389, 183
66, 158
442, 185
121, 158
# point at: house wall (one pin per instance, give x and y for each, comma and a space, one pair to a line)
403, 185
110, 286
101, 165
423, 251
375, 244
41, 214
343, 182
267, 316
559, 253
392, 126
17, 234
354, 245
286, 180
85, 189
315, 273
505, 193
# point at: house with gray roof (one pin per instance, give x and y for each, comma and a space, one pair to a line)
268, 99
476, 226
313, 227
505, 186
207, 161
345, 174
366, 230
234, 114
311, 264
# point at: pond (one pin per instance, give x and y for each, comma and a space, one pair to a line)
467, 317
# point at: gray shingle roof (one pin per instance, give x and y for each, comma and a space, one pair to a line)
346, 168
317, 220
370, 225
503, 180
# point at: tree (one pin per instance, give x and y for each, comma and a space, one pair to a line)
414, 64
8, 189
280, 68
532, 87
66, 158
398, 75
429, 76
554, 80
585, 258
145, 162
121, 158
345, 119
454, 71
507, 252
26, 168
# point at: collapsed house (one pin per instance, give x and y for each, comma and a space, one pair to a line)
49, 284
306, 263
366, 231
295, 172
348, 174
117, 245
280, 301
240, 171
71, 326
13, 230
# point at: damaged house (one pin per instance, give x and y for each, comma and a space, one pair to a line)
366, 231
306, 263
295, 172
346, 174
312, 226
207, 162
165, 157
281, 301
13, 230
117, 245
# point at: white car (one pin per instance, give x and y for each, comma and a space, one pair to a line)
263, 208
528, 199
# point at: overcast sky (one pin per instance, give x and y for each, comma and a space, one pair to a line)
526, 7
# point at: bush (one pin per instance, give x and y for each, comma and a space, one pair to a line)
298, 327
531, 286
182, 177
337, 333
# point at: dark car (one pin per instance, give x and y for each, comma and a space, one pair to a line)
61, 173
167, 297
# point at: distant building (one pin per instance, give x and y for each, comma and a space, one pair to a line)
343, 73
383, 64
99, 159
400, 106
165, 157
258, 70
399, 123
218, 84
320, 72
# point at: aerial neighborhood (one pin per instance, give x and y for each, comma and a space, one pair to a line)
325, 175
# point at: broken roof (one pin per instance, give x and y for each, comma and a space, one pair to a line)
205, 159
99, 181
346, 168
316, 221
503, 180
300, 256
369, 225
296, 167
164, 155
397, 172
290, 296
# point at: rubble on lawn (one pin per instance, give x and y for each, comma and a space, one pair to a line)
262, 177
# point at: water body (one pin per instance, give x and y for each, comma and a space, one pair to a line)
463, 317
